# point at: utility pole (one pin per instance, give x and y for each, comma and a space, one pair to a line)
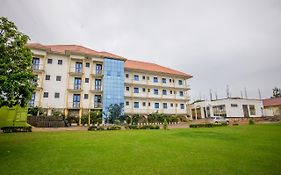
211, 97
260, 94
246, 95
227, 91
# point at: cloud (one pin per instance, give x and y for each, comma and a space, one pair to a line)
235, 42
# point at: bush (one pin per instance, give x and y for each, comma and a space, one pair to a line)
206, 125
142, 127
165, 125
95, 128
251, 122
114, 127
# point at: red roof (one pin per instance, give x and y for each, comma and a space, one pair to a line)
73, 48
129, 64
151, 67
272, 102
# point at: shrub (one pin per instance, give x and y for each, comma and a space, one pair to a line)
142, 127
165, 125
251, 122
95, 128
114, 127
206, 125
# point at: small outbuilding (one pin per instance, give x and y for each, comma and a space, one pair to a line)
272, 106
227, 107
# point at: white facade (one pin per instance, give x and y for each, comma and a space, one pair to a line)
229, 107
148, 92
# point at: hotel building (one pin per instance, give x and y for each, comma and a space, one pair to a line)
75, 79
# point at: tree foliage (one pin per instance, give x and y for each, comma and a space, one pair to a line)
16, 77
276, 92
114, 113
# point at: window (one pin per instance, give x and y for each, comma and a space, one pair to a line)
156, 105
252, 110
136, 104
57, 95
60, 62
109, 73
173, 80
136, 90
182, 106
127, 75
143, 104
86, 96
180, 82
148, 90
147, 77
50, 61
164, 80
78, 67
46, 94
58, 78
181, 93
77, 83
118, 74
127, 103
99, 69
172, 105
87, 64
98, 84
148, 103
155, 79
127, 88
219, 110
171, 92
136, 77
165, 106
156, 91
164, 92
35, 63
170, 80
76, 101
47, 77
86, 80
143, 89
143, 77
234, 105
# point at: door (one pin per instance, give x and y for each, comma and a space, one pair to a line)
76, 100
97, 101
98, 69
35, 63
98, 84
245, 110
78, 67
77, 83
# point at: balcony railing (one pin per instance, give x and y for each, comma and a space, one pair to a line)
77, 86
37, 67
74, 105
76, 70
97, 105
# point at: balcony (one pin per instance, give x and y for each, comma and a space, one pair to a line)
97, 90
74, 105
74, 71
38, 68
75, 88
98, 105
97, 73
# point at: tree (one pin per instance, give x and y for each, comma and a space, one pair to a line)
165, 124
17, 81
276, 92
114, 113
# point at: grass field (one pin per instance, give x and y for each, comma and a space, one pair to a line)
252, 149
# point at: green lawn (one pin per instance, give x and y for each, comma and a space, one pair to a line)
252, 149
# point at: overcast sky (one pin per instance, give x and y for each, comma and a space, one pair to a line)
219, 42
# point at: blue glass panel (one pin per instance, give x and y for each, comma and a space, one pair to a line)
113, 82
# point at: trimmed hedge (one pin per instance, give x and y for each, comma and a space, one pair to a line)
142, 127
206, 125
101, 128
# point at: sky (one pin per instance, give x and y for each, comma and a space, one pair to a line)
234, 43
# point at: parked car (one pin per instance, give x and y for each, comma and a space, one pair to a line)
219, 119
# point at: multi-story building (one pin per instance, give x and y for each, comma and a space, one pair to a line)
75, 79
150, 87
